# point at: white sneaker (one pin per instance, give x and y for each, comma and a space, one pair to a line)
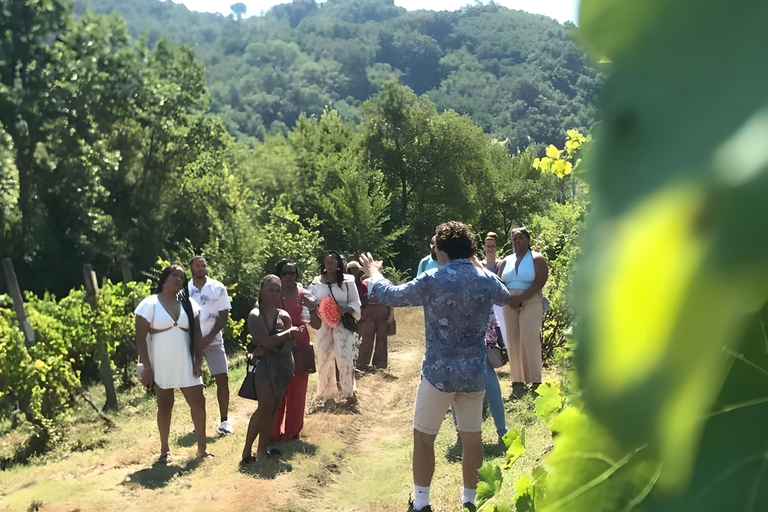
225, 428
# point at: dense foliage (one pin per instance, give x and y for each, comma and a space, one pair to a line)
520, 77
40, 382
110, 152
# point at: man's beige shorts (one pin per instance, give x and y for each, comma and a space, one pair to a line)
432, 404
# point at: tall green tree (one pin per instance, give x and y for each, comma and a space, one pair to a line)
103, 148
26, 28
433, 163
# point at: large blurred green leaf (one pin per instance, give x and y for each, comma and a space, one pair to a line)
588, 471
676, 253
610, 27
730, 473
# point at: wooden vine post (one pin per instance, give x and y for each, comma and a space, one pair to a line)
18, 303
92, 291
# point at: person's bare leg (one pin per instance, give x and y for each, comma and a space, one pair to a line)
196, 401
250, 435
260, 418
267, 410
424, 458
164, 410
471, 457
222, 394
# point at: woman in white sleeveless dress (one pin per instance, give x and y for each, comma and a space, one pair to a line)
524, 272
170, 348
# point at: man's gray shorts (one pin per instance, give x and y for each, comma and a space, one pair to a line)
216, 358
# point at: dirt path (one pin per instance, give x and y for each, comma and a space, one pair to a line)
344, 460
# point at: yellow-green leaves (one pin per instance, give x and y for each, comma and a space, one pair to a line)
515, 442
561, 162
549, 402
489, 482
553, 152
574, 141
562, 168
629, 344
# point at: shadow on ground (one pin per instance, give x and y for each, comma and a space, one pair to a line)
279, 461
330, 406
490, 451
265, 468
289, 448
190, 440
158, 475
370, 371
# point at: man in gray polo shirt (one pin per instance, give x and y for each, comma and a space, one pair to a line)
214, 304
456, 296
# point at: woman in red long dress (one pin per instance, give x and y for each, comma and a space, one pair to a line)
290, 415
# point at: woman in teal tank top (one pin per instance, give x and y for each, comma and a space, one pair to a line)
524, 272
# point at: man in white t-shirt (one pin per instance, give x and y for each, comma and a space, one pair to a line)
214, 304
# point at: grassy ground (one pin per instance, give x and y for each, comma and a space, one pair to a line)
343, 460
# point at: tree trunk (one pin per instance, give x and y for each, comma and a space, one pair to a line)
25, 165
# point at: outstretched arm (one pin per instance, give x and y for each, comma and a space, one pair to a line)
411, 293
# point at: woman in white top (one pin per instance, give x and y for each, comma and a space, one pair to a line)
335, 343
524, 272
170, 348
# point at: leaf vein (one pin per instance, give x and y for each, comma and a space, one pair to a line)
740, 405
640, 497
747, 361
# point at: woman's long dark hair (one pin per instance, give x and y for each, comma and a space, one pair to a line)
339, 266
186, 302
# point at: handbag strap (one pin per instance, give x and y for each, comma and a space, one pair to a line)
330, 289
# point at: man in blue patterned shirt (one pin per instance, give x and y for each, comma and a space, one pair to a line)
456, 297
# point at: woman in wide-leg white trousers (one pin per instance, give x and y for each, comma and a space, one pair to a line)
335, 348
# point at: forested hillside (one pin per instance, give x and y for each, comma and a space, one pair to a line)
519, 76
115, 147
